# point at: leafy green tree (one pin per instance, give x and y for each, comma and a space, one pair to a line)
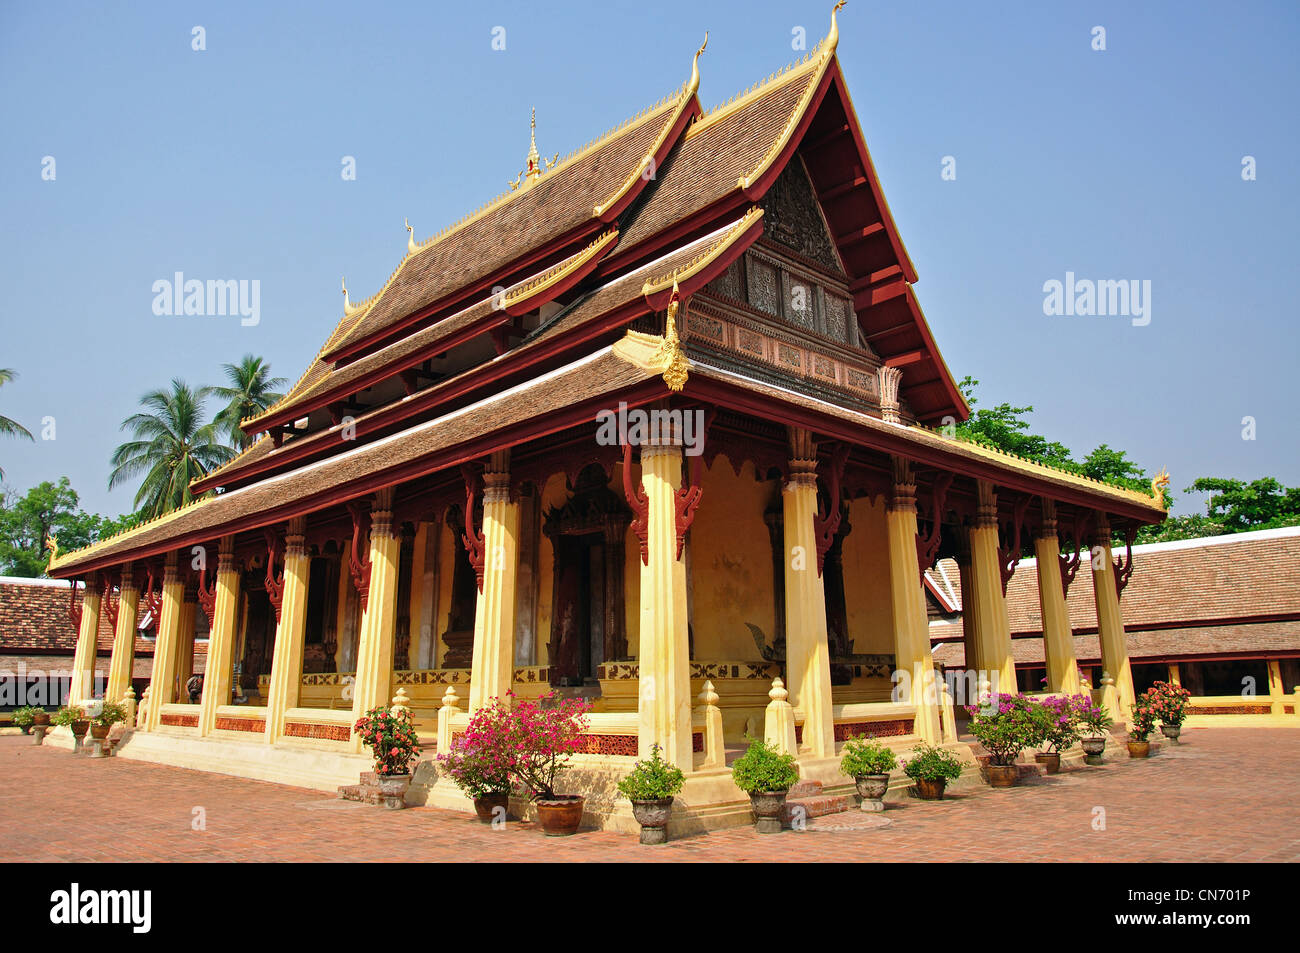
172, 448
8, 427
1005, 428
27, 521
1261, 504
251, 391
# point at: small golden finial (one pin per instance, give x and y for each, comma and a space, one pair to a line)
670, 358
694, 84
833, 37
536, 165
411, 247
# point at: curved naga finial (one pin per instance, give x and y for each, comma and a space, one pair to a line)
694, 83
52, 544
833, 37
347, 305
1158, 484
411, 247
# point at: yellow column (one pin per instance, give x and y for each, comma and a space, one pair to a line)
184, 666
664, 696
164, 649
1175, 675
988, 606
912, 654
1275, 694
122, 662
378, 622
81, 687
221, 642
286, 659
1058, 639
492, 665
807, 654
1110, 624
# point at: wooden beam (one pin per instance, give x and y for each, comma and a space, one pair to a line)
836, 191
859, 234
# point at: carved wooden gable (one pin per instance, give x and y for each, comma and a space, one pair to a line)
793, 218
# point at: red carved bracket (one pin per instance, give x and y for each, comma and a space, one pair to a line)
359, 567
1009, 556
274, 585
640, 504
827, 523
927, 547
688, 497
152, 600
473, 539
1070, 564
74, 608
208, 595
1124, 564
111, 605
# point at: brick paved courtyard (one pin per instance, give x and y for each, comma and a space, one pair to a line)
1227, 794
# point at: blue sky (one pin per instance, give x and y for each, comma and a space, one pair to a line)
225, 163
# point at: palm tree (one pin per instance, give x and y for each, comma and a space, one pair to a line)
251, 391
11, 428
172, 448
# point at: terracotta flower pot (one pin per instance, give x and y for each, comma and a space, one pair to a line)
80, 727
768, 807
1003, 775
1050, 760
653, 818
1172, 732
931, 789
41, 718
1139, 749
560, 815
872, 788
486, 808
99, 732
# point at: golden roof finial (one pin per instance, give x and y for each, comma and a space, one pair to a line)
833, 37
536, 164
694, 84
347, 305
411, 247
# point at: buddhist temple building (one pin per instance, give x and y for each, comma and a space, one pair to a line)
661, 424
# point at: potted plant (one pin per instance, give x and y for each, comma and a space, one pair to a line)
931, 768
868, 762
40, 718
651, 786
543, 735
110, 713
1171, 704
24, 718
479, 761
75, 719
1140, 728
1094, 724
766, 777
391, 738
1005, 725
1059, 726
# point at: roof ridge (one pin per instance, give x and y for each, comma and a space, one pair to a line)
778, 78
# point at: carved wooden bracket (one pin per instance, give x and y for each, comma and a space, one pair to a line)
111, 605
1009, 556
688, 497
1124, 564
208, 595
358, 566
1070, 563
74, 608
152, 600
274, 585
927, 547
473, 539
826, 524
640, 504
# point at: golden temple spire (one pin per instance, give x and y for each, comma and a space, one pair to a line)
534, 167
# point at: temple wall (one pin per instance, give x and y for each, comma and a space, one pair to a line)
446, 565
731, 564
865, 556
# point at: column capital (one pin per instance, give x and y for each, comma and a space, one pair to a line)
889, 378
295, 539
1101, 528
1047, 529
986, 507
126, 577
381, 513
226, 554
171, 567
902, 494
496, 478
